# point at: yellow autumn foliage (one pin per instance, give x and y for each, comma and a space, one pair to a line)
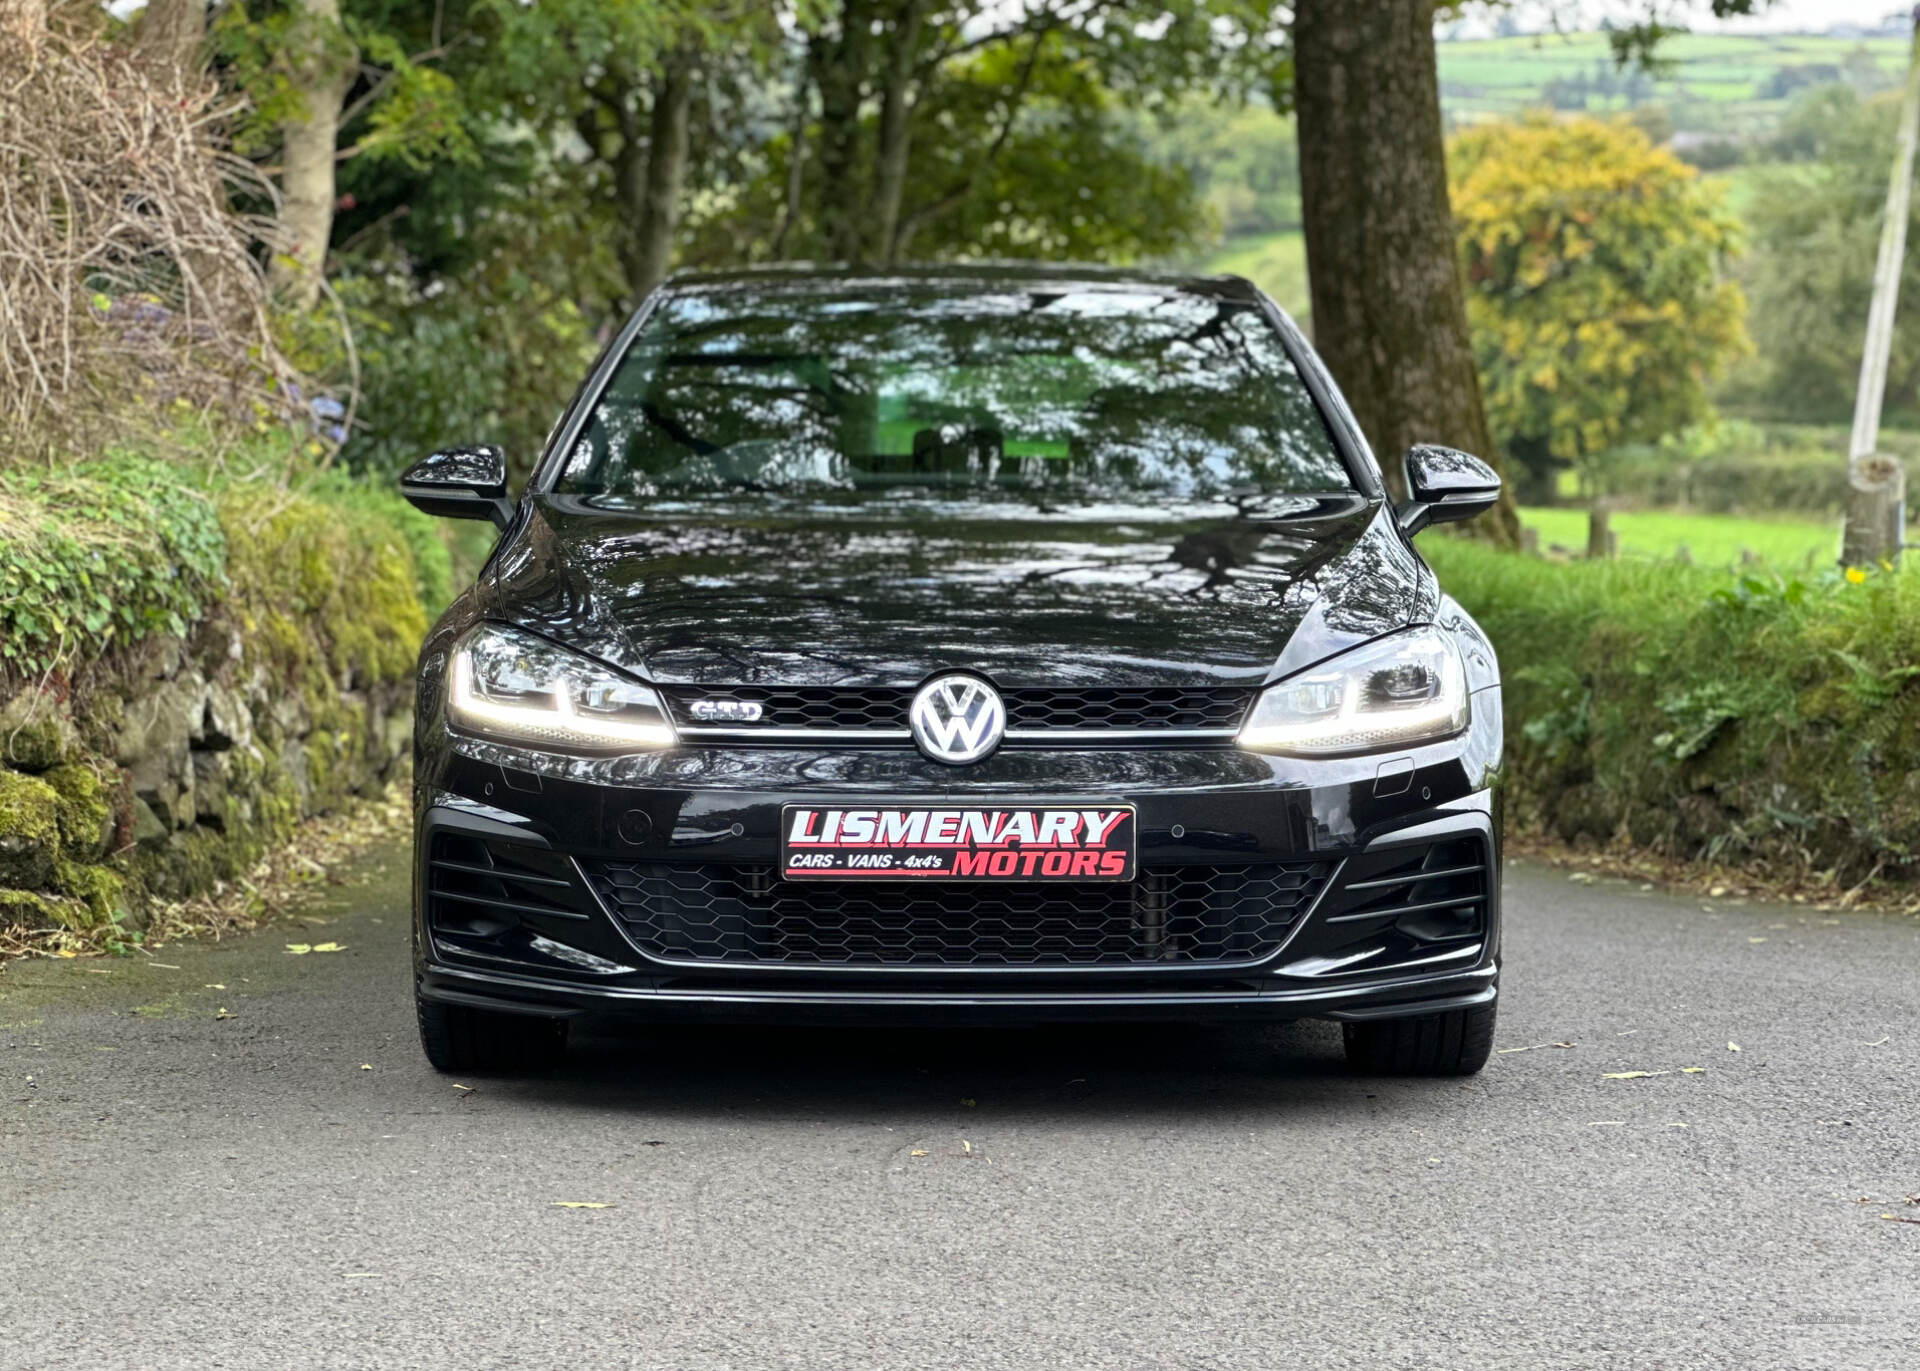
1593, 264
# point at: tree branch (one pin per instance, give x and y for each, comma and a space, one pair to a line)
957, 196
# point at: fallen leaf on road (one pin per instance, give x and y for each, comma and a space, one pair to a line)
1630, 1075
1676, 1125
1733, 1047
967, 1103
1756, 940
1581, 877
467, 1088
213, 985
581, 1204
1692, 1070
164, 966
966, 1147
221, 1013
1608, 1123
1534, 1047
1899, 1218
366, 1066
329, 947
1880, 1043
299, 949
918, 1152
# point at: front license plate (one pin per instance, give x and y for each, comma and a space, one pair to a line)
958, 842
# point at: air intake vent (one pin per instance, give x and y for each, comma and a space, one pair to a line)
1187, 915
480, 887
1407, 905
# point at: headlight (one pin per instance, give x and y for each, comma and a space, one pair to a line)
517, 688
1406, 689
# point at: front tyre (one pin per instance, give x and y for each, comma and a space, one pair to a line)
459, 1039
1455, 1042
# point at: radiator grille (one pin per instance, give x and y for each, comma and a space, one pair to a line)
1028, 708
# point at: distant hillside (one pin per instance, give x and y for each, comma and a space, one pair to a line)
1712, 82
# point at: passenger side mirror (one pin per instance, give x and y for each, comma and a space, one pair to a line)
1444, 485
460, 483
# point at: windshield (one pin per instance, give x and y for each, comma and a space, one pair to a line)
1061, 394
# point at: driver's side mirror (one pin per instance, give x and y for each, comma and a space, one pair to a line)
1443, 485
460, 483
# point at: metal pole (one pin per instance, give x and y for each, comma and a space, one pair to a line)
1886, 276
1874, 530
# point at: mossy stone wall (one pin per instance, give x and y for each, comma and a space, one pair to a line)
159, 768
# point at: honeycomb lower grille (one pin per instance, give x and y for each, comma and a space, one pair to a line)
1190, 915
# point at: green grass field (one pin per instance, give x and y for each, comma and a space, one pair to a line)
1710, 539
1501, 76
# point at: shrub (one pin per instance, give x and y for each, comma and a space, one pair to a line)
100, 555
1703, 714
129, 273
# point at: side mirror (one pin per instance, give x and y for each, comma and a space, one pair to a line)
1443, 485
460, 483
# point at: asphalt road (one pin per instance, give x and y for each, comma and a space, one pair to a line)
290, 1186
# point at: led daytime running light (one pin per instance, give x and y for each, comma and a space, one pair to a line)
561, 723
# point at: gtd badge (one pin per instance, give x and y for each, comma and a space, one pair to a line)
957, 719
727, 711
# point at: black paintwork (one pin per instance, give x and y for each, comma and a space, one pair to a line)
775, 594
777, 591
1445, 485
460, 483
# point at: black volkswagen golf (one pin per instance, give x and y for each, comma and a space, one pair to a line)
996, 644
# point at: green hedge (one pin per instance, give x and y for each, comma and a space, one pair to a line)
1704, 714
99, 556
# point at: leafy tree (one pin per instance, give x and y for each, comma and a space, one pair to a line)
891, 75
1594, 286
1816, 228
1065, 175
1388, 312
325, 83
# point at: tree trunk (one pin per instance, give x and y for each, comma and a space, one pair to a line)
796, 164
840, 72
890, 159
666, 173
629, 163
171, 34
324, 62
1389, 310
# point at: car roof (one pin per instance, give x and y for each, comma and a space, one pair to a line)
959, 277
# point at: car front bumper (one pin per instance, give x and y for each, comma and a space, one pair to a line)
1403, 917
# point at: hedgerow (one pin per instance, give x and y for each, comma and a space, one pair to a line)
99, 556
1707, 714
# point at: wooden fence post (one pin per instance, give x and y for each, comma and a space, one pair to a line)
1600, 541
